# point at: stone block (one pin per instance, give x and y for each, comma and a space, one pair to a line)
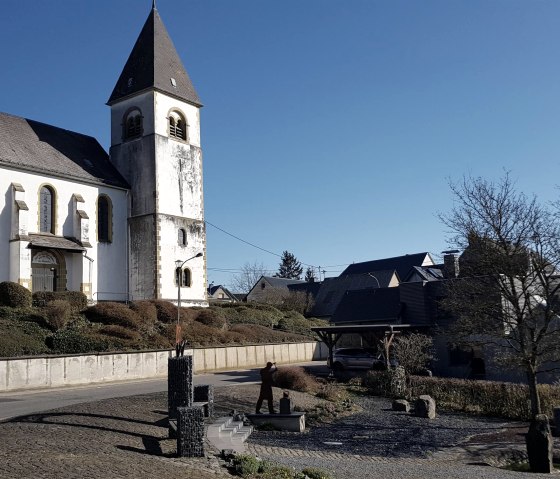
294, 422
401, 405
179, 384
190, 432
539, 445
425, 406
205, 393
557, 421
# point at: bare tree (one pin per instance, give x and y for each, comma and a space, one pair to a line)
250, 274
506, 297
414, 352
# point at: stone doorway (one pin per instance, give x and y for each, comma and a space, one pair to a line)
48, 271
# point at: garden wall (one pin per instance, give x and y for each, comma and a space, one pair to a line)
59, 371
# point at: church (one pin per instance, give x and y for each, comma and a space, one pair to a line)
127, 225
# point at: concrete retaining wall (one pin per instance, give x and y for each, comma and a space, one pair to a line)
59, 371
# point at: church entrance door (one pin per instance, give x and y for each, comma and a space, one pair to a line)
44, 268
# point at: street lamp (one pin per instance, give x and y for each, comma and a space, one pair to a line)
179, 274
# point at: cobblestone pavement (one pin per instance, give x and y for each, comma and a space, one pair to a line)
378, 442
128, 438
114, 438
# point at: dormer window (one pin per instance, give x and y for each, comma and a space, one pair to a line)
132, 125
177, 126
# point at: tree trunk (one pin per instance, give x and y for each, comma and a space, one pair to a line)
533, 392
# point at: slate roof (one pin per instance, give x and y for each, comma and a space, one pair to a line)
401, 264
306, 287
54, 242
41, 148
213, 289
381, 305
153, 63
427, 273
333, 289
281, 282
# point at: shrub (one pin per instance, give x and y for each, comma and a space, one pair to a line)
76, 299
253, 333
146, 310
295, 378
72, 341
58, 313
315, 473
119, 332
251, 313
113, 313
14, 295
245, 465
214, 318
296, 323
491, 398
20, 338
166, 311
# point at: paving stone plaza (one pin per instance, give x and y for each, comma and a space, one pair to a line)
128, 437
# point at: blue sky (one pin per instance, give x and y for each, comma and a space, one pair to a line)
330, 127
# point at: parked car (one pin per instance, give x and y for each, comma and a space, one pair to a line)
357, 358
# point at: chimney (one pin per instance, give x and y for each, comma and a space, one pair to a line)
450, 264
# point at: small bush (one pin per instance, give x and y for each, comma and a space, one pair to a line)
76, 299
146, 311
214, 318
58, 313
71, 341
14, 295
21, 338
295, 378
113, 313
244, 465
119, 332
166, 311
315, 473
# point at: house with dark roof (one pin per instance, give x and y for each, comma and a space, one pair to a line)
112, 225
220, 294
268, 286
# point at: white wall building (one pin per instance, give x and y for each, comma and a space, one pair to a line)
73, 217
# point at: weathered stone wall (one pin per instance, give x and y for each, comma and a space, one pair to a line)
50, 371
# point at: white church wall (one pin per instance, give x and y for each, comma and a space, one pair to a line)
163, 104
111, 257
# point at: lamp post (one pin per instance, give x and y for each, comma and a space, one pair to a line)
179, 274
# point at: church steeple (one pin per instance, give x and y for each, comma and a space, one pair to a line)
154, 64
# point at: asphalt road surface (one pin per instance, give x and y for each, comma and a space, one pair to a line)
21, 403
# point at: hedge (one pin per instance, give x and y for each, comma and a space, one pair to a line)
76, 299
489, 398
14, 295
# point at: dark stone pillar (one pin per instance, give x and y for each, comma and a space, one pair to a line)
179, 383
205, 393
190, 432
557, 421
539, 445
286, 404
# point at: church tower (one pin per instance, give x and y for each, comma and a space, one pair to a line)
155, 145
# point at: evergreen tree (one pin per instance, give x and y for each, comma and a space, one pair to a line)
309, 275
290, 267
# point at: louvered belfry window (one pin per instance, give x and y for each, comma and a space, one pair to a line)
177, 126
133, 124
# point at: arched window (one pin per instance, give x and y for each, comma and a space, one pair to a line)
186, 278
104, 219
182, 237
47, 202
132, 124
177, 125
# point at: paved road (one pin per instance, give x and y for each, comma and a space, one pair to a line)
14, 404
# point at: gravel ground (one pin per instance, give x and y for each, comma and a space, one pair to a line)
379, 431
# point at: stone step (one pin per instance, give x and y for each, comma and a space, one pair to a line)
225, 433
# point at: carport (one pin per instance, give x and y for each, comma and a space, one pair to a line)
374, 335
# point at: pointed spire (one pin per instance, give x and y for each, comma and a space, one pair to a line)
154, 64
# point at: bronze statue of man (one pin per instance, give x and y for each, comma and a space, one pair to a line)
267, 379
